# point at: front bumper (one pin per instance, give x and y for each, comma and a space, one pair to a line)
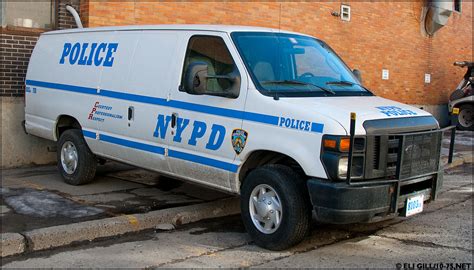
341, 203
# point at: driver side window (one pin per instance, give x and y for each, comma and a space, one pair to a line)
212, 51
309, 64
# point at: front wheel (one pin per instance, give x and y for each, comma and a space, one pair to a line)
465, 117
76, 163
275, 207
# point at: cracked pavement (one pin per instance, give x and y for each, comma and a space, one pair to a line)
440, 234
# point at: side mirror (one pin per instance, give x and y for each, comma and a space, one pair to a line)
358, 75
197, 76
195, 79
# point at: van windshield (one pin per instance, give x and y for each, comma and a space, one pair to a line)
295, 66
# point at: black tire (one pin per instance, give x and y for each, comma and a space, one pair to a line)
86, 161
294, 198
466, 112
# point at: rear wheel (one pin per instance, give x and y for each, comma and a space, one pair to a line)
76, 163
465, 117
275, 207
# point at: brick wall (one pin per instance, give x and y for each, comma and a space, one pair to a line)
15, 52
380, 35
16, 47
64, 19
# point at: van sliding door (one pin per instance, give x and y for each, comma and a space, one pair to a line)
134, 96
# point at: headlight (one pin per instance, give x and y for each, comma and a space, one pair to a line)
342, 167
357, 167
334, 156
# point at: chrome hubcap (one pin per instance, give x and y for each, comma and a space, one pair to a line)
465, 118
265, 209
69, 157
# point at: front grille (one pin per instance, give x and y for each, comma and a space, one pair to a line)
376, 153
402, 156
420, 154
392, 156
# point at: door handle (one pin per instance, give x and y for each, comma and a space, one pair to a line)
174, 118
131, 111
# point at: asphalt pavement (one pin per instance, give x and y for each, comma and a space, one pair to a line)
37, 200
442, 233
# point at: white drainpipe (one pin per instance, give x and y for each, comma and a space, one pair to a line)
75, 15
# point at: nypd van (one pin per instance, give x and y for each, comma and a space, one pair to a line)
276, 117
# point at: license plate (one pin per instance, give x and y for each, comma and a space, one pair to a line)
414, 205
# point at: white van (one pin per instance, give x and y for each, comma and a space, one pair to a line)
258, 112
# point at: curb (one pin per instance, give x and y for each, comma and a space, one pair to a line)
57, 236
11, 243
464, 157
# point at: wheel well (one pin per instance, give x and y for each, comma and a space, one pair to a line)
64, 123
463, 103
264, 157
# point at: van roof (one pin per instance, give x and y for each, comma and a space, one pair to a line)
177, 27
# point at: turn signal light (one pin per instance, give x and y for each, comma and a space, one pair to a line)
344, 144
330, 143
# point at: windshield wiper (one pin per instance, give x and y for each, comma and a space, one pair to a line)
300, 83
341, 83
348, 83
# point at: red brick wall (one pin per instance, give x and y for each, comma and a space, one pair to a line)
379, 35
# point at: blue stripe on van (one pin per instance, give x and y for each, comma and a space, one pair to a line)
133, 97
203, 160
316, 127
249, 116
132, 144
161, 151
88, 134
65, 87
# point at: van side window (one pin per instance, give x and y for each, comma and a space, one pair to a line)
212, 50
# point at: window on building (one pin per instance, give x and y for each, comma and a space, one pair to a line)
457, 5
28, 14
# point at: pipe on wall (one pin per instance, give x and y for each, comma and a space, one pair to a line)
75, 15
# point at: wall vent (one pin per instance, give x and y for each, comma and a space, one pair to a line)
345, 12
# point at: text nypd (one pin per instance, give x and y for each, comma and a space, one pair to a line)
199, 129
395, 111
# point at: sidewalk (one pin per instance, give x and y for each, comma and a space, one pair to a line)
39, 211
38, 197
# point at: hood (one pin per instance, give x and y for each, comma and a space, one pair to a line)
366, 108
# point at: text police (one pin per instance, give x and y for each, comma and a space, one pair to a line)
86, 54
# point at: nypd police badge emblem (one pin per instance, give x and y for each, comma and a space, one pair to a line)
239, 139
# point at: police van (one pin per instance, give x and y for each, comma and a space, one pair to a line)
276, 117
